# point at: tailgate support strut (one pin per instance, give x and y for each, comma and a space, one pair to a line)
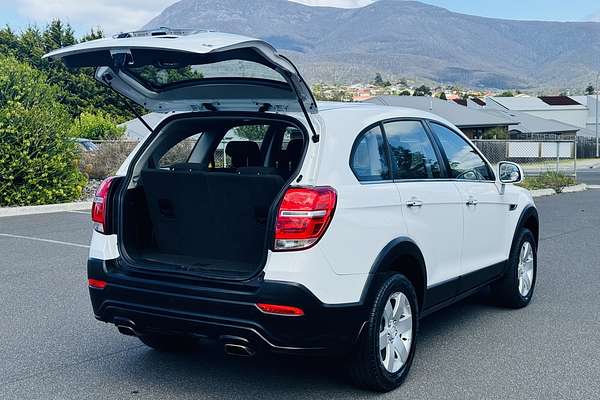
130, 106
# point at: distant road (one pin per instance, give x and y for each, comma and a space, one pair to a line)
589, 176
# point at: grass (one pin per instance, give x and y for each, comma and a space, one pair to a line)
549, 180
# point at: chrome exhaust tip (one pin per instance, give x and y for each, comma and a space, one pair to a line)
238, 350
126, 330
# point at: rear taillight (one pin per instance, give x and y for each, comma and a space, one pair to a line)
303, 217
99, 206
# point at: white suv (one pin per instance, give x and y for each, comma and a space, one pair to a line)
253, 216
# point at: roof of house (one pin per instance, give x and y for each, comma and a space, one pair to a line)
536, 103
460, 116
135, 130
528, 123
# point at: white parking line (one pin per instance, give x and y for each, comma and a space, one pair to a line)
44, 240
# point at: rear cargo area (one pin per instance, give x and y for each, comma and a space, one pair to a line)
203, 216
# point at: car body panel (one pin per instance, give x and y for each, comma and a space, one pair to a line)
337, 269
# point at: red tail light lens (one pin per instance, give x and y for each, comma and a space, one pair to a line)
99, 205
280, 310
303, 217
96, 283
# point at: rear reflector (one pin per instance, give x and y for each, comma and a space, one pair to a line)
96, 283
280, 310
303, 217
99, 206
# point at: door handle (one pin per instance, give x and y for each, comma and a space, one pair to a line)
472, 201
414, 203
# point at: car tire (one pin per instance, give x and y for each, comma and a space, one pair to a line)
515, 288
370, 365
169, 343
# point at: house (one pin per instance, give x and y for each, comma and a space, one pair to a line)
559, 108
591, 104
474, 123
531, 127
135, 130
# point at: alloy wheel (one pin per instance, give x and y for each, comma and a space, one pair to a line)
525, 269
395, 333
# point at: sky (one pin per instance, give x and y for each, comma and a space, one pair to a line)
123, 15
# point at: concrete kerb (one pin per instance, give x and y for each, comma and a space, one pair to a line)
45, 209
568, 189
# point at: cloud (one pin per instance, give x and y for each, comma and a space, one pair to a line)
336, 3
110, 15
593, 17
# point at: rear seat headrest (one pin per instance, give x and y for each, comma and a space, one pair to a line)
294, 148
243, 154
294, 151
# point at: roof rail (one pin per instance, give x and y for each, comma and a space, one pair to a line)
162, 31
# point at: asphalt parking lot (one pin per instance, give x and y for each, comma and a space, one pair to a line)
53, 348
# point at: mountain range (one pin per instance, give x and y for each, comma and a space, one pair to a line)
405, 39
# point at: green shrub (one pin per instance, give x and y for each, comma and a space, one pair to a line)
496, 133
38, 160
549, 180
96, 126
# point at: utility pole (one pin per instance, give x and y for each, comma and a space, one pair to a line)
596, 106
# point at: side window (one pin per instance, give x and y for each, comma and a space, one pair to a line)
180, 153
369, 161
413, 156
240, 147
465, 162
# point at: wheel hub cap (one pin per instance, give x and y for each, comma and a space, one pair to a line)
395, 333
525, 269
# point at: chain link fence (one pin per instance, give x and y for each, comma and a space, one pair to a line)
536, 157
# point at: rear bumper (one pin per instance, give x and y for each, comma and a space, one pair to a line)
224, 311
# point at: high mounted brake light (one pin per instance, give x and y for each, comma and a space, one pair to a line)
303, 217
99, 206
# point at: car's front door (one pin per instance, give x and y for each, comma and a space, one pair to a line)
485, 208
431, 205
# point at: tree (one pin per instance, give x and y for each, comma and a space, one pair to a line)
590, 90
496, 133
422, 91
508, 93
255, 133
405, 93
81, 91
39, 159
378, 81
443, 96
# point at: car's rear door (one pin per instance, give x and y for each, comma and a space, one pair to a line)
431, 205
169, 70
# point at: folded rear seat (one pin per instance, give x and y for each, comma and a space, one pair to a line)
210, 215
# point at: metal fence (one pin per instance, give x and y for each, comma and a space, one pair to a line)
535, 156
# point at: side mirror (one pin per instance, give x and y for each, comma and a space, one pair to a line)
509, 172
